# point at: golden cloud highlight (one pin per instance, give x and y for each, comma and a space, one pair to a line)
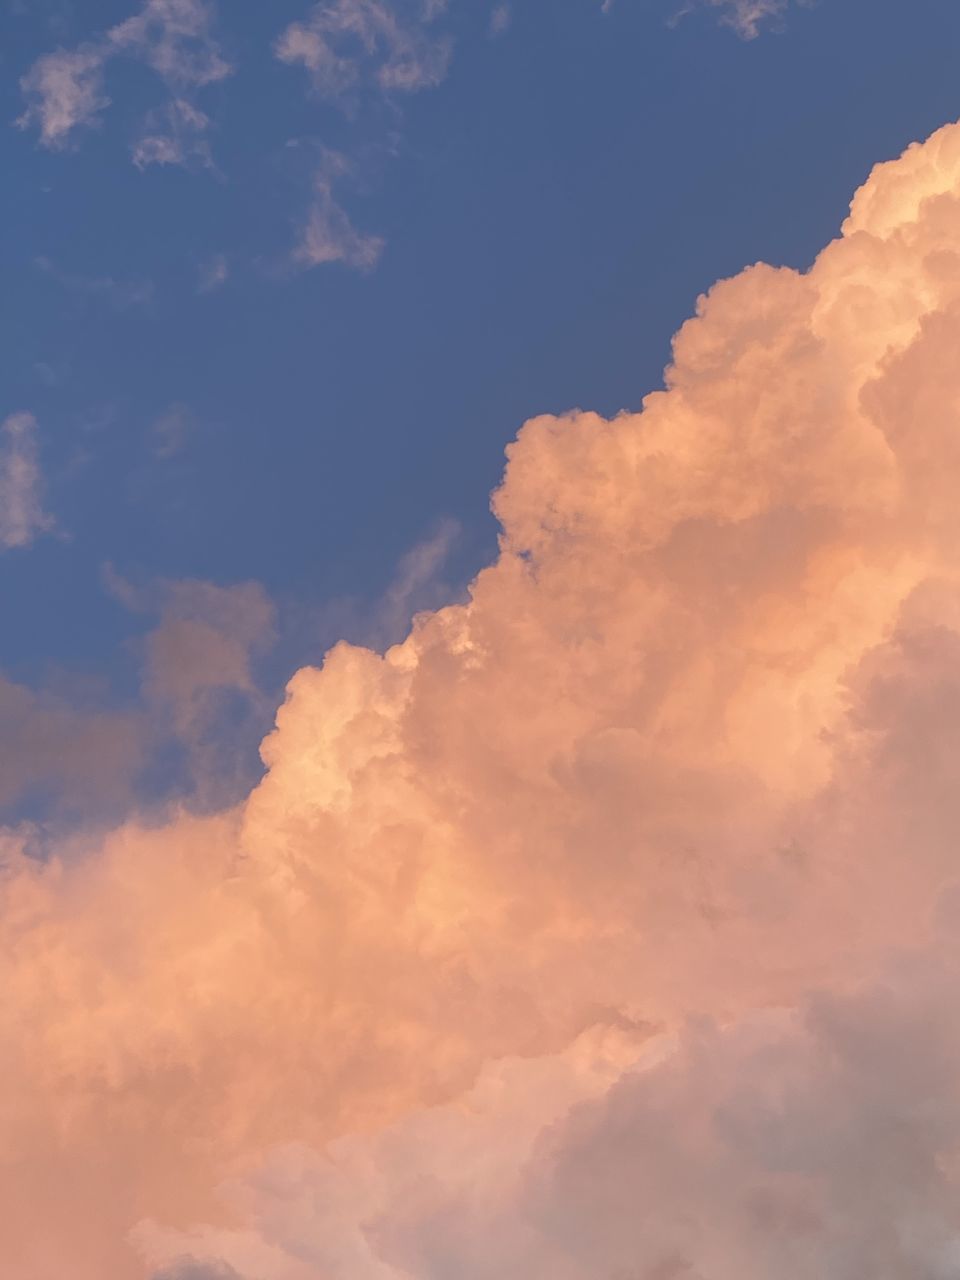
583, 932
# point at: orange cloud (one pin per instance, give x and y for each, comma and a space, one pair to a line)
687, 754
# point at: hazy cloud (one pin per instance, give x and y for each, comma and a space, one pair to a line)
213, 273
21, 511
119, 294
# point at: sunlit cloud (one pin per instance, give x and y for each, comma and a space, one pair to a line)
353, 44
603, 925
328, 234
65, 89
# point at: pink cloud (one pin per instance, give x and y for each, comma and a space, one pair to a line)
604, 924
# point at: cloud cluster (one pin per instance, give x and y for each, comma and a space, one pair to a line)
605, 925
349, 44
65, 90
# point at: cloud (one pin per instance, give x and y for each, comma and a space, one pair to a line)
328, 235
748, 18
74, 753
65, 89
198, 686
191, 1269
353, 44
81, 759
119, 294
21, 511
500, 18
174, 134
604, 925
171, 431
174, 38
350, 48
213, 274
64, 92
813, 1142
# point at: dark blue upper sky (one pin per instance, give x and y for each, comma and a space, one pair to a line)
208, 408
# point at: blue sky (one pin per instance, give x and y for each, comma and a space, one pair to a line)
519, 206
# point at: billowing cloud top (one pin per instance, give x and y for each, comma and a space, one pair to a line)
603, 927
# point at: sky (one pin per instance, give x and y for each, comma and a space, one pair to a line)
515, 223
481, 651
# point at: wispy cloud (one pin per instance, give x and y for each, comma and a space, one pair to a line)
119, 294
747, 18
170, 432
351, 48
65, 89
213, 273
348, 44
22, 516
327, 234
500, 19
174, 134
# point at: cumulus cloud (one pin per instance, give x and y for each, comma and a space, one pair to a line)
21, 511
605, 924
351, 44
65, 89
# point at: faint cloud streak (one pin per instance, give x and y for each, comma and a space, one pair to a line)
21, 512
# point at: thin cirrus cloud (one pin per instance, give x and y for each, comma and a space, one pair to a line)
22, 516
65, 90
606, 924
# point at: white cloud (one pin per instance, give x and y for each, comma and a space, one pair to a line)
21, 513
